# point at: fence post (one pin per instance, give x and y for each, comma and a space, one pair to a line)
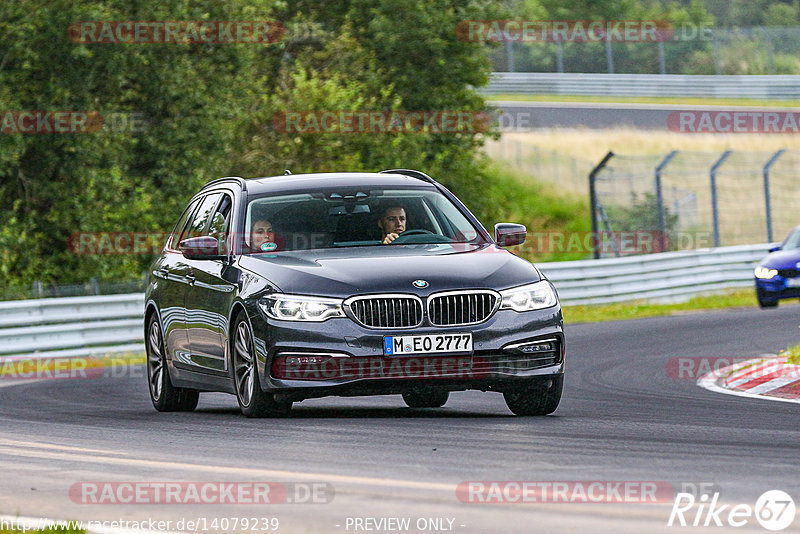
510, 55
559, 55
609, 55
714, 209
662, 58
662, 219
770, 54
717, 66
767, 201
593, 203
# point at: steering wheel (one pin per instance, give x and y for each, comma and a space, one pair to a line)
411, 233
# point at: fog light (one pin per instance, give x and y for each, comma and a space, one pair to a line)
295, 361
535, 347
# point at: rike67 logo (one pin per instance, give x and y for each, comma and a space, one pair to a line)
774, 510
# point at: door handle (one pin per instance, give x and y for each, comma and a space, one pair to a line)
191, 279
164, 271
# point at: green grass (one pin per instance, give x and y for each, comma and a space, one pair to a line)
645, 100
794, 354
736, 298
540, 206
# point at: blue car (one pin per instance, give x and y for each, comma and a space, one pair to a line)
778, 274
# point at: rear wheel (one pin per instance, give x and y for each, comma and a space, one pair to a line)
165, 396
538, 399
426, 399
253, 401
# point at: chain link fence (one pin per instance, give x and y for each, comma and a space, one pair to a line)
568, 172
687, 200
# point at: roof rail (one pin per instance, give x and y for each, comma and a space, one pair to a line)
241, 181
410, 172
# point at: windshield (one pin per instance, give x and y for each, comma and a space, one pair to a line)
350, 217
793, 241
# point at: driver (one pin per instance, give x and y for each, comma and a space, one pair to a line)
392, 223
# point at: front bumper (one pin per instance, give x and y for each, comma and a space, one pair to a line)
776, 288
360, 367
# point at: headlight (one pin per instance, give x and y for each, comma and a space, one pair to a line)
765, 272
530, 297
300, 307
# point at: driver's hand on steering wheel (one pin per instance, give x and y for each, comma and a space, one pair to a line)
389, 238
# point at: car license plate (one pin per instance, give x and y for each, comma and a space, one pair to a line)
426, 344
793, 282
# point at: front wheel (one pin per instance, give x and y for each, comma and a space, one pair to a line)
764, 301
253, 401
165, 396
539, 399
426, 399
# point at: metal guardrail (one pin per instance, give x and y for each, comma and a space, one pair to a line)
82, 326
72, 326
668, 275
784, 87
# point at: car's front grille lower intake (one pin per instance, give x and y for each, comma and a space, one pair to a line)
386, 311
462, 308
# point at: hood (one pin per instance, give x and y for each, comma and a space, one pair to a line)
782, 259
343, 272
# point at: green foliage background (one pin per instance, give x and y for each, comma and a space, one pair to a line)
209, 107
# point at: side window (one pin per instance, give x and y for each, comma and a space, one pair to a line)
221, 221
200, 220
181, 226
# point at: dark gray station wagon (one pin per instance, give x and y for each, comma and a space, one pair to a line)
291, 287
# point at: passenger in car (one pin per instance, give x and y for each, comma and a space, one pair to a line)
263, 238
392, 223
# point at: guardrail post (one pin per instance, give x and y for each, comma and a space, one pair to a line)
662, 219
714, 210
593, 203
767, 202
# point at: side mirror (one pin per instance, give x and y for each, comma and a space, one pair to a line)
509, 234
201, 248
775, 249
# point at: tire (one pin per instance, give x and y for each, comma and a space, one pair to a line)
764, 302
539, 399
426, 399
165, 396
253, 401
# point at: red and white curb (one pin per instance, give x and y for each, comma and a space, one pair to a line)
768, 377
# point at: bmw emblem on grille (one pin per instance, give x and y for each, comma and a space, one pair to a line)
420, 284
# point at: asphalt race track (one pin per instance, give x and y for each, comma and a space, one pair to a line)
622, 419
